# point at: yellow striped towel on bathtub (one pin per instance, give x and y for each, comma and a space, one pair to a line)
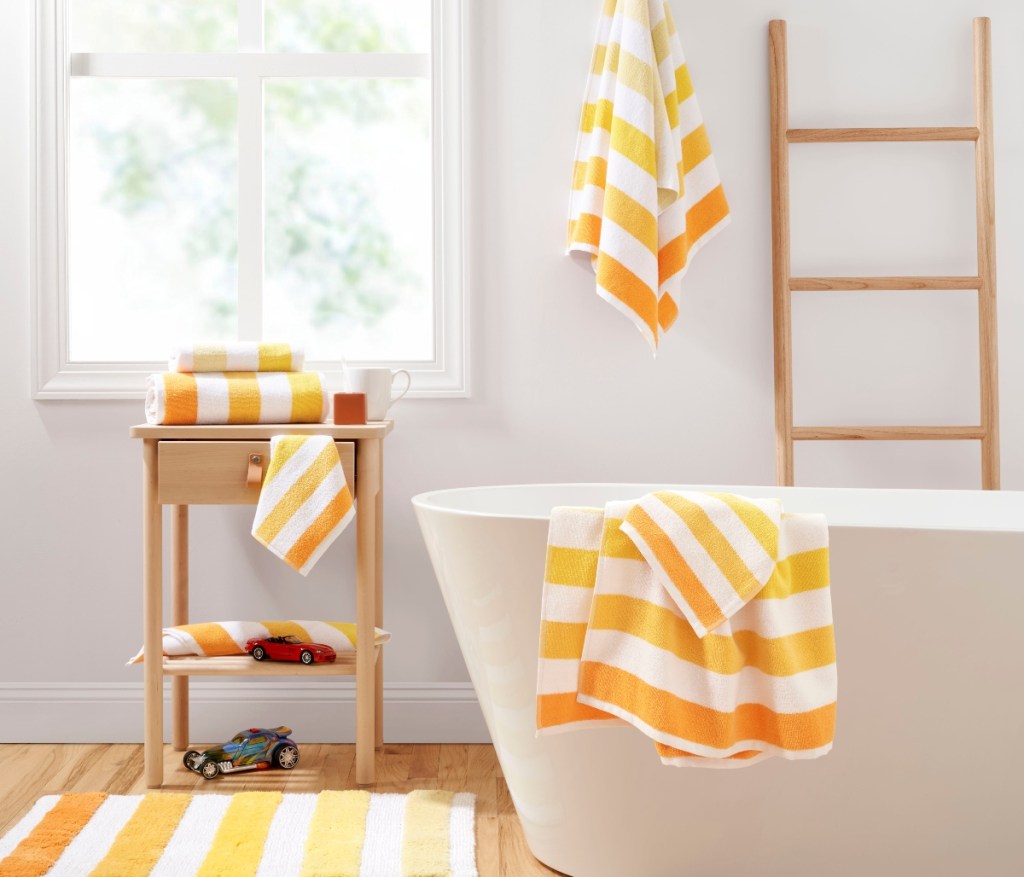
237, 356
646, 193
761, 683
219, 638
174, 399
305, 501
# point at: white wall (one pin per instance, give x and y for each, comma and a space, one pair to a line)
563, 387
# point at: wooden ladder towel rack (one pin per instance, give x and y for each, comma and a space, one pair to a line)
785, 284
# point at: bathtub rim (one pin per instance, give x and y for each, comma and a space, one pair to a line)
865, 507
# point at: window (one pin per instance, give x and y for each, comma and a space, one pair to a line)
256, 169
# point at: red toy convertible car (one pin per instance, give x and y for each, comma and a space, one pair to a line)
289, 648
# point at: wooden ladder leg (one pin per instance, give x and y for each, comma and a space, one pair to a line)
179, 615
367, 486
152, 611
986, 207
781, 254
378, 711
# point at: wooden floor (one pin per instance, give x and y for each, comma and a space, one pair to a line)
29, 771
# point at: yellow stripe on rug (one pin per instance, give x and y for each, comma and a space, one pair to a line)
337, 832
425, 843
141, 842
238, 845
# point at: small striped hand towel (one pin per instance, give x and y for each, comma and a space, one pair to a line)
305, 501
237, 356
646, 192
711, 552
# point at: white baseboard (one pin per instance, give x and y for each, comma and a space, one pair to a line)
317, 712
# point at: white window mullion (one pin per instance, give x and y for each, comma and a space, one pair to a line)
250, 25
250, 177
250, 208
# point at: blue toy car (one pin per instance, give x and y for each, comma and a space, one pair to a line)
255, 749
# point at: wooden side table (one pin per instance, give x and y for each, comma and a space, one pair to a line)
192, 465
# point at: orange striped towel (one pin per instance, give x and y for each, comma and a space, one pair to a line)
615, 646
305, 501
646, 192
174, 399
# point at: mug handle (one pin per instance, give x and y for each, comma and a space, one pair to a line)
408, 384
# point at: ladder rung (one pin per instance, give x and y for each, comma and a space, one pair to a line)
888, 433
821, 284
879, 135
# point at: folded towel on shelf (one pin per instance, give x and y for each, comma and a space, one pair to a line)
213, 398
646, 192
237, 356
616, 646
219, 638
305, 501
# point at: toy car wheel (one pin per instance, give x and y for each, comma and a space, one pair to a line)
306, 657
192, 759
210, 769
258, 653
286, 757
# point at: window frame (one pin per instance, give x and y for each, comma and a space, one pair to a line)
55, 376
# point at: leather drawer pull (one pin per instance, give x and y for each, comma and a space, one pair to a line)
254, 478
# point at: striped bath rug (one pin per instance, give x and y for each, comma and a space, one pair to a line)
249, 834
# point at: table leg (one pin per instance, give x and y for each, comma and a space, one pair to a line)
152, 611
179, 615
367, 485
378, 711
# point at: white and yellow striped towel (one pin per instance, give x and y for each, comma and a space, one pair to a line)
212, 639
616, 646
646, 192
174, 399
237, 356
305, 501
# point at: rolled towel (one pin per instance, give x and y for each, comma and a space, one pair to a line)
174, 399
237, 356
219, 638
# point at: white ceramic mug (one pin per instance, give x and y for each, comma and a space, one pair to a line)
376, 384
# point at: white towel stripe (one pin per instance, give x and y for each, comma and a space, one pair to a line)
463, 840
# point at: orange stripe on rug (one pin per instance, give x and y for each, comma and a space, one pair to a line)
38, 852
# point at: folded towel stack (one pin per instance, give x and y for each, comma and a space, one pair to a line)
236, 384
305, 501
220, 638
695, 618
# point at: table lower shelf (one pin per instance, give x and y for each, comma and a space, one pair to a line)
243, 665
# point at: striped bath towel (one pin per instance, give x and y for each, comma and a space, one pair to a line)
237, 356
646, 194
615, 646
174, 399
305, 501
220, 638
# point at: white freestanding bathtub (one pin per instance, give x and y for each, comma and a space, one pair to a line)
926, 776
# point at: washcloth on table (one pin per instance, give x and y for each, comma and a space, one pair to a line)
217, 398
617, 646
646, 193
305, 501
237, 356
220, 638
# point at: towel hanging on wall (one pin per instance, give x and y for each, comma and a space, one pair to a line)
646, 194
